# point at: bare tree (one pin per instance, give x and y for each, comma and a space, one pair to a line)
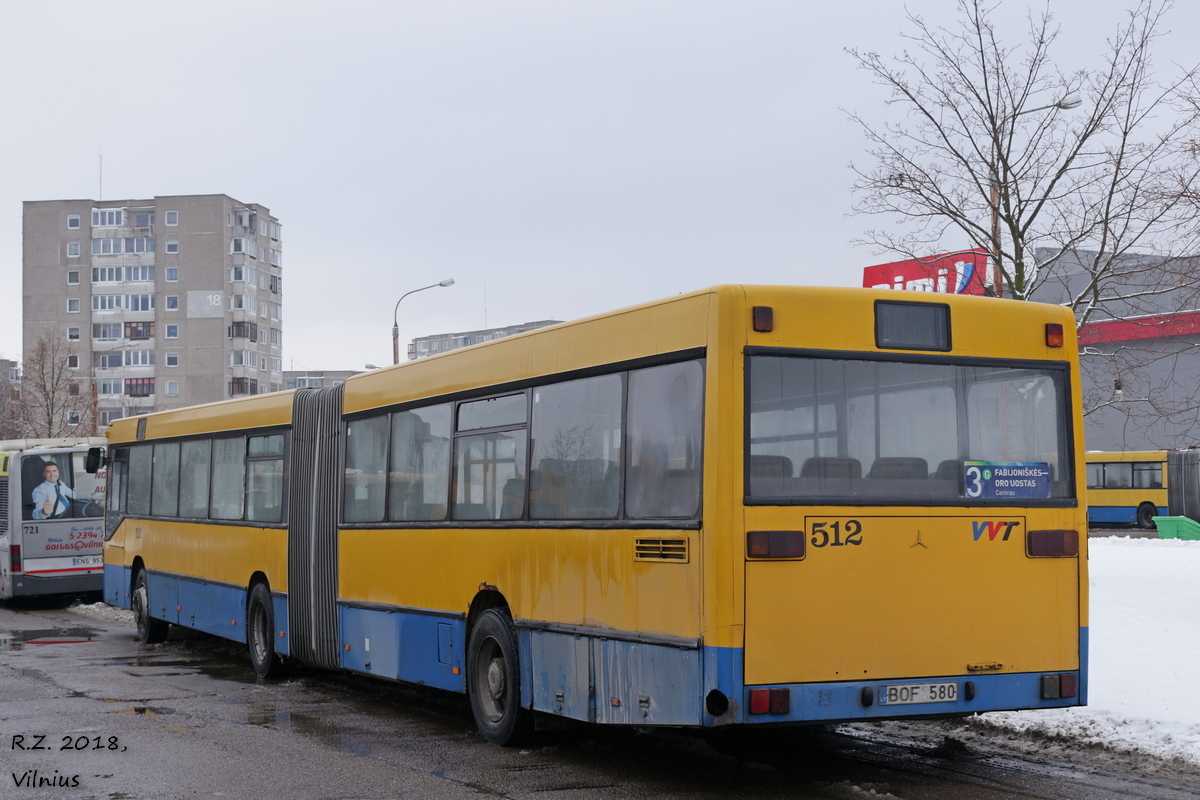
10, 403
1094, 168
55, 400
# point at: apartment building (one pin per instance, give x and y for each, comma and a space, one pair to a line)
425, 346
163, 303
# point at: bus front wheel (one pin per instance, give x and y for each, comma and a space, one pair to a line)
494, 679
1145, 515
260, 633
149, 629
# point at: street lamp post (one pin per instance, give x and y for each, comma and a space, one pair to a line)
396, 324
1065, 104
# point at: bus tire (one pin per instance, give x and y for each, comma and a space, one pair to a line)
494, 679
149, 629
1145, 515
260, 633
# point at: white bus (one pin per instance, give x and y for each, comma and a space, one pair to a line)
51, 518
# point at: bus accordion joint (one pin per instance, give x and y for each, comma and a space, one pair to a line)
1052, 544
775, 544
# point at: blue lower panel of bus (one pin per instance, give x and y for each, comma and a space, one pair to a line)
116, 585
630, 683
1119, 514
422, 648
830, 702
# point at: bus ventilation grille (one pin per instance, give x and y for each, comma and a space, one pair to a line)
661, 550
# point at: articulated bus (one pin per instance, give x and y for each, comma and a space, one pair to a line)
1129, 487
743, 505
51, 518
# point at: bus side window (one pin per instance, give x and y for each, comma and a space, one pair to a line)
665, 430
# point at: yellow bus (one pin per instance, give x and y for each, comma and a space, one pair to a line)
742, 505
1128, 487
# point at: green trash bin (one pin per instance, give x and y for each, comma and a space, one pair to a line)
1177, 528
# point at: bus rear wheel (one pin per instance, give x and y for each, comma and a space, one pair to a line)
260, 633
149, 629
494, 679
1145, 515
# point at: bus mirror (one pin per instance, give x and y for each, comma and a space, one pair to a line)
95, 460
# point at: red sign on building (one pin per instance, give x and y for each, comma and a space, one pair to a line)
954, 273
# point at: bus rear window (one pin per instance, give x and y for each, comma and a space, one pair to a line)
890, 431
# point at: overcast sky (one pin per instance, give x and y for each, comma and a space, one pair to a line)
557, 159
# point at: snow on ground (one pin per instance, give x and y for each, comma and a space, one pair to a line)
1144, 692
1144, 688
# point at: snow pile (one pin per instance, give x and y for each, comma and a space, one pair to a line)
1144, 693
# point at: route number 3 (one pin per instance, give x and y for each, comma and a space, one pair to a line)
975, 481
836, 534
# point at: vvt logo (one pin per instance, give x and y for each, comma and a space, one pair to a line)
993, 527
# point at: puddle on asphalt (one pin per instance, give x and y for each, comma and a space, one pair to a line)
171, 666
19, 640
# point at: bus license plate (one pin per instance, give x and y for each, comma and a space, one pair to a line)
902, 694
87, 561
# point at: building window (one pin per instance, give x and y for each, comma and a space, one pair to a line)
139, 358
276, 311
106, 274
139, 387
72, 334
72, 362
276, 337
172, 246
243, 330
106, 330
73, 418
140, 272
73, 305
236, 301
110, 386
72, 277
108, 361
139, 302
172, 359
107, 217
262, 308
106, 302
143, 220
73, 390
107, 417
172, 331
172, 274
172, 302
276, 364
172, 388
114, 246
72, 249
139, 330
73, 222
239, 386
171, 217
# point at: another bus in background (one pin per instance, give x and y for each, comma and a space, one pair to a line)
1127, 488
51, 518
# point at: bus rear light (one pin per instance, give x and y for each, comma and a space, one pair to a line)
770, 701
1054, 334
1052, 543
775, 544
15, 552
1060, 686
764, 319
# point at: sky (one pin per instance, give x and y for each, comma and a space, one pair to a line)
557, 159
